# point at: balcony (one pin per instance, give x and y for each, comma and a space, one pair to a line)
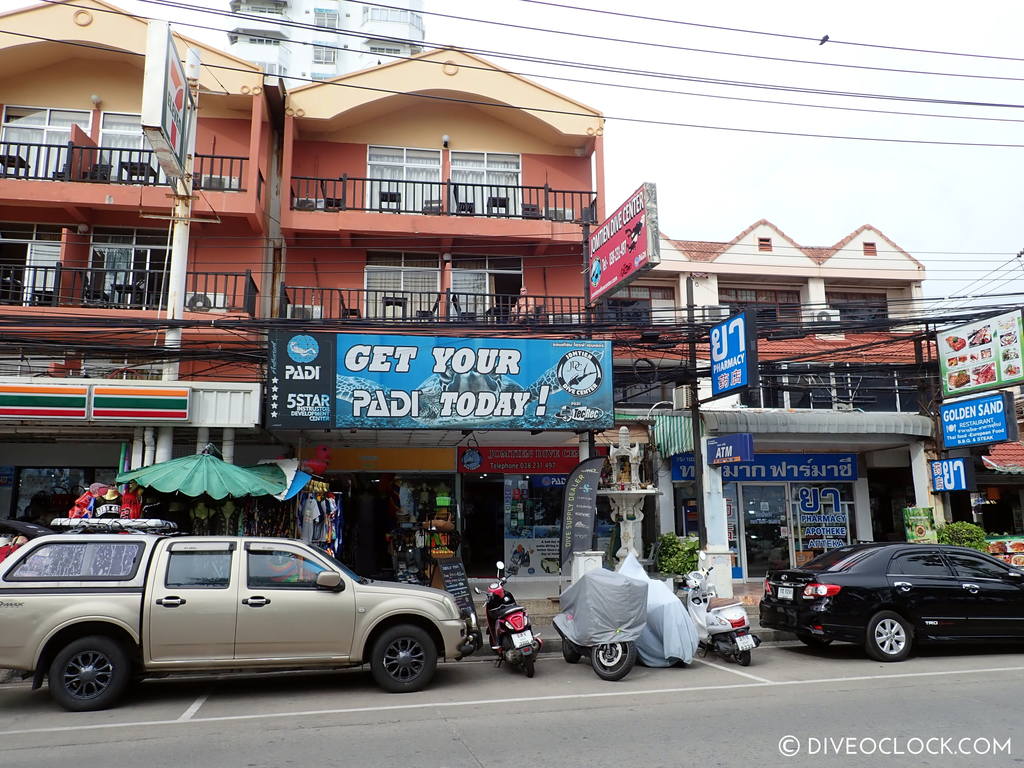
364, 305
139, 289
112, 165
442, 198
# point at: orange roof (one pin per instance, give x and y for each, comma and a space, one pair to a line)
1005, 456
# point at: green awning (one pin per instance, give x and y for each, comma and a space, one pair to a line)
672, 433
205, 474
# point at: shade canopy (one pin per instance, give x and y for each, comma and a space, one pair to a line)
206, 474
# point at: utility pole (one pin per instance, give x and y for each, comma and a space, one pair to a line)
591, 447
695, 425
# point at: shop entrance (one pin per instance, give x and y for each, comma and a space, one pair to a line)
766, 528
483, 524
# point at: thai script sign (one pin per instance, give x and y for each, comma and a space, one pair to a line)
733, 355
327, 380
778, 468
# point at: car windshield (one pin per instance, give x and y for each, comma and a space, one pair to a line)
841, 559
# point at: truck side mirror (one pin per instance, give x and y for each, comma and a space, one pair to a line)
330, 580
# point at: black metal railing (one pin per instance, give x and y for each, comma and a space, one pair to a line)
113, 165
302, 303
442, 198
123, 288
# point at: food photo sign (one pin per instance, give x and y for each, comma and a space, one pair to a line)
985, 354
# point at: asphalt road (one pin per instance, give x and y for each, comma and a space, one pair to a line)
938, 708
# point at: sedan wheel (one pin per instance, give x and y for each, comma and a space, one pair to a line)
889, 637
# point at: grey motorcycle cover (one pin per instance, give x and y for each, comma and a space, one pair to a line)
603, 607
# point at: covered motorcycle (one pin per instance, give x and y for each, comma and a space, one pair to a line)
670, 635
603, 614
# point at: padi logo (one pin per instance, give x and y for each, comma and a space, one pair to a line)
579, 373
303, 349
595, 272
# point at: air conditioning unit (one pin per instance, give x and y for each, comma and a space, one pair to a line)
305, 312
716, 313
204, 301
211, 182
681, 398
826, 316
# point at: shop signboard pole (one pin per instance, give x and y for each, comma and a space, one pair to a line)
579, 509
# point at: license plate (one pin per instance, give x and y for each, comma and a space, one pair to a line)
522, 639
785, 593
745, 642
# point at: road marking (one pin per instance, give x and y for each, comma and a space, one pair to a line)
189, 713
734, 671
505, 701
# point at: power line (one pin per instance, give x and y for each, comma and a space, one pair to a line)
782, 35
670, 46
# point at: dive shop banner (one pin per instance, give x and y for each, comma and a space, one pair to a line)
356, 381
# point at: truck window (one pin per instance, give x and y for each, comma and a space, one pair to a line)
281, 569
80, 561
199, 569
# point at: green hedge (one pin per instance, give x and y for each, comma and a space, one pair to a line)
963, 535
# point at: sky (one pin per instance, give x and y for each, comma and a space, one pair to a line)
955, 208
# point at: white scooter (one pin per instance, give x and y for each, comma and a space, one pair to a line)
722, 624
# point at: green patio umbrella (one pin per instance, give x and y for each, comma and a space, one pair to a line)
204, 473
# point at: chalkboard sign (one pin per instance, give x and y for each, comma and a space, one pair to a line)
453, 576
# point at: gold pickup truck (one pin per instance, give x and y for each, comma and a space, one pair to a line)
94, 612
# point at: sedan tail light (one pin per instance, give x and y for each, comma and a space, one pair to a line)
821, 590
767, 588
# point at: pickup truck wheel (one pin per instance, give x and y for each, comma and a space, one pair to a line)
88, 674
404, 659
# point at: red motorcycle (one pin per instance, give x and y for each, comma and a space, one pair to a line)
509, 631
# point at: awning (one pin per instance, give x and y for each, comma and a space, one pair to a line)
673, 433
817, 422
205, 474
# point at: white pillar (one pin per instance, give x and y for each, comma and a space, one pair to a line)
813, 293
923, 496
138, 448
202, 438
584, 439
862, 510
717, 525
149, 446
164, 444
228, 445
666, 501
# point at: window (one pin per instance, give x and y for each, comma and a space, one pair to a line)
403, 179
326, 18
281, 569
486, 183
121, 131
642, 304
482, 284
80, 561
192, 567
402, 285
971, 567
264, 41
857, 305
41, 125
870, 249
769, 304
269, 10
29, 255
128, 268
393, 15
385, 50
324, 55
764, 244
919, 564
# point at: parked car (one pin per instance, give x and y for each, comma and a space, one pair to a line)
93, 612
889, 596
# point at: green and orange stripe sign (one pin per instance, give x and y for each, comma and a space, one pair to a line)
140, 403
21, 401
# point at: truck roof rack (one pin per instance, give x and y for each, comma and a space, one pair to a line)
112, 525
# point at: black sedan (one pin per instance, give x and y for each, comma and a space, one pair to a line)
887, 596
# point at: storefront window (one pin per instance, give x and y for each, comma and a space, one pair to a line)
43, 493
532, 504
823, 514
765, 528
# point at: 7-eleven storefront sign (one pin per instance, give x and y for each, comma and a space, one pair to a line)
94, 402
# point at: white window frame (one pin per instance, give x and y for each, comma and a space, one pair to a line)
420, 190
327, 14
44, 128
324, 54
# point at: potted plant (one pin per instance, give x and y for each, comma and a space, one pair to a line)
677, 555
963, 535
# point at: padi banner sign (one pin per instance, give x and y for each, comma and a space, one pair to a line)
355, 381
579, 509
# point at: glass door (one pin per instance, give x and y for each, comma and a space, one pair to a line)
766, 528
